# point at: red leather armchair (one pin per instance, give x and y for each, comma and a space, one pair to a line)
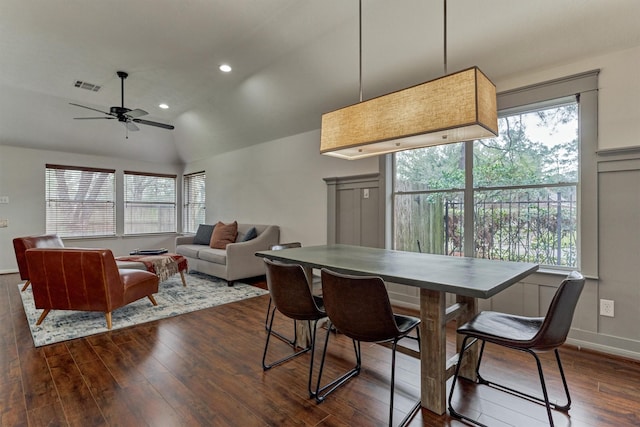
86, 280
21, 244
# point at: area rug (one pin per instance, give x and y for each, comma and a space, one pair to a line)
173, 299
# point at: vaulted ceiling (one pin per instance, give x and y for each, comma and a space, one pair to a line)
292, 60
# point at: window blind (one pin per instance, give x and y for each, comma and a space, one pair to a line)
149, 203
193, 209
80, 201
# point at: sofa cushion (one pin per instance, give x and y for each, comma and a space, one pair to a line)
190, 251
251, 234
217, 256
203, 235
223, 234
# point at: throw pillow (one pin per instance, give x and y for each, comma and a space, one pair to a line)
223, 234
252, 233
203, 235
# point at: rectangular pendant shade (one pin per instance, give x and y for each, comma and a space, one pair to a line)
457, 107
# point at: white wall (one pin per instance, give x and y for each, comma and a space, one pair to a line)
619, 87
277, 182
22, 174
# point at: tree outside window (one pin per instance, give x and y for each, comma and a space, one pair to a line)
524, 185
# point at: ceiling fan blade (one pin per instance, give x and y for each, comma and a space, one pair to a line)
136, 113
156, 124
131, 126
92, 118
89, 108
124, 115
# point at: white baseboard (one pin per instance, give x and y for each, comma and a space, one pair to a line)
601, 348
8, 271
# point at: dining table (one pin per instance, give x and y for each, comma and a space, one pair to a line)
435, 275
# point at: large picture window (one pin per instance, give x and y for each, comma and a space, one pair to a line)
80, 202
515, 197
193, 212
149, 203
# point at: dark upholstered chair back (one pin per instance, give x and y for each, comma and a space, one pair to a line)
557, 322
21, 244
290, 291
358, 306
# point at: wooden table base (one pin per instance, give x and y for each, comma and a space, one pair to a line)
436, 369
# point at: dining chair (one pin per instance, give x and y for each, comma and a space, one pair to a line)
291, 296
528, 334
292, 341
359, 308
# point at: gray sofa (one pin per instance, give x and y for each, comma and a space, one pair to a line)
237, 261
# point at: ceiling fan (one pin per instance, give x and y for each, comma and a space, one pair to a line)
124, 115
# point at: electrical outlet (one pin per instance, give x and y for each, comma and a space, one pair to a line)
606, 307
4, 223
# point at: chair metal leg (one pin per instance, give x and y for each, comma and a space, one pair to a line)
289, 341
544, 388
393, 380
544, 400
567, 406
452, 411
322, 392
312, 392
418, 404
333, 385
414, 410
266, 366
266, 319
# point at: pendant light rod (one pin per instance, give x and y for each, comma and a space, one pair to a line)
453, 108
360, 45
445, 37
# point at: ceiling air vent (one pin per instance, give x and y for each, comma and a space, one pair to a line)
88, 86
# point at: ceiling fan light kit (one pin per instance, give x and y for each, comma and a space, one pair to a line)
456, 107
124, 115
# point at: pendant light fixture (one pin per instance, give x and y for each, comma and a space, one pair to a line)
457, 107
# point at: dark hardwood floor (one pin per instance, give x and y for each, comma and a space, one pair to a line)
204, 369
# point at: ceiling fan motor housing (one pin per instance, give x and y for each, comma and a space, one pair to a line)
119, 111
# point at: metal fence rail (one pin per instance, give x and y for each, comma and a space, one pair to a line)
541, 231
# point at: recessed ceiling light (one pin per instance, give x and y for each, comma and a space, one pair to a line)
163, 106
225, 68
